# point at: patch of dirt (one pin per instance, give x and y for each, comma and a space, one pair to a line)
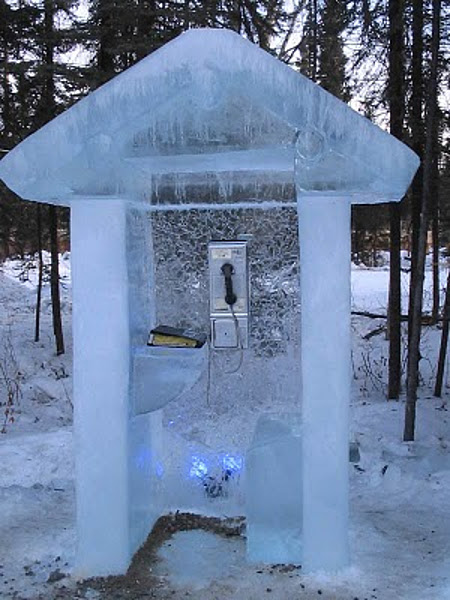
139, 581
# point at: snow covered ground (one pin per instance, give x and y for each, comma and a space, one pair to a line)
400, 493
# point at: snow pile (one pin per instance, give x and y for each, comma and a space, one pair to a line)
26, 270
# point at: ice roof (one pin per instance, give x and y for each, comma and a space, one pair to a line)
209, 117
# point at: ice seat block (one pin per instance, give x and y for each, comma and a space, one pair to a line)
274, 491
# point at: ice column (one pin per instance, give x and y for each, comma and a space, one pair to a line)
324, 232
101, 383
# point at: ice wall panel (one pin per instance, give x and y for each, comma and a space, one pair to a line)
140, 265
144, 431
208, 421
144, 467
182, 293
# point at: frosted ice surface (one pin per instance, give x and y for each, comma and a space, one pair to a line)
213, 115
161, 374
274, 491
197, 558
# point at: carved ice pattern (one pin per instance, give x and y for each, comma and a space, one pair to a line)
269, 374
180, 244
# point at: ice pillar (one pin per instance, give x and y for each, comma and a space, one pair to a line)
101, 384
324, 233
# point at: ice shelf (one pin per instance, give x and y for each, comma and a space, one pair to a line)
162, 374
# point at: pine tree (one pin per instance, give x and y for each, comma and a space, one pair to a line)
124, 31
334, 19
44, 84
416, 125
16, 25
50, 41
417, 290
396, 95
258, 20
308, 47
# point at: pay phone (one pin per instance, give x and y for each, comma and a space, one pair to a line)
229, 294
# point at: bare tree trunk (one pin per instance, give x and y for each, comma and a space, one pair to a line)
40, 273
396, 106
356, 244
290, 30
394, 312
416, 321
444, 342
417, 141
187, 14
434, 190
54, 280
314, 56
435, 236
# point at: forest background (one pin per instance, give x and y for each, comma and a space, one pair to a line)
388, 58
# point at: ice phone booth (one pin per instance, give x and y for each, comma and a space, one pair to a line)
211, 140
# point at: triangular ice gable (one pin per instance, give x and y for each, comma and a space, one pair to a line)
209, 102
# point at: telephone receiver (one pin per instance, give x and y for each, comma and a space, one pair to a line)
228, 270
228, 294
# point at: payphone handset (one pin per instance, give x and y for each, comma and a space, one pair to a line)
228, 270
229, 294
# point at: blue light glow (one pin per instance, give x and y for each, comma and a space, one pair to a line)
143, 458
232, 463
198, 468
